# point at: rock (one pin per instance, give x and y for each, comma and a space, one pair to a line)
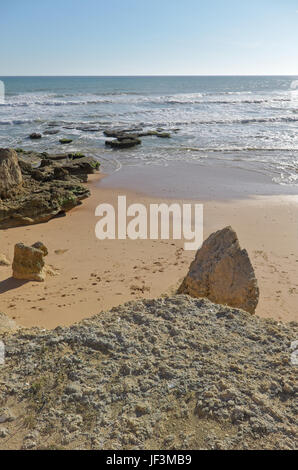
7, 416
223, 273
46, 191
4, 261
3, 432
163, 135
60, 173
65, 141
10, 173
51, 132
123, 142
35, 135
41, 246
28, 262
116, 132
175, 392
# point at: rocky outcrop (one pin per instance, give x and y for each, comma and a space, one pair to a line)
126, 138
170, 373
48, 190
28, 262
223, 273
135, 133
10, 173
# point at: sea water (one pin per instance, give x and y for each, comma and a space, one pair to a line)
238, 122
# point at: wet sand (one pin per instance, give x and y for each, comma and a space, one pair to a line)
94, 275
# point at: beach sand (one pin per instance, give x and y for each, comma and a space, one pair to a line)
93, 275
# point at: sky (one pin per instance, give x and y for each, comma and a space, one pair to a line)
148, 37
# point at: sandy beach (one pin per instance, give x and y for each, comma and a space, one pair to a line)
94, 275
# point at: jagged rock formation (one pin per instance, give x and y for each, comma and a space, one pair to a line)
223, 273
171, 373
10, 174
125, 138
49, 189
28, 262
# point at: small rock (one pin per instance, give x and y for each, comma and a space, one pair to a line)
4, 261
3, 432
35, 135
28, 262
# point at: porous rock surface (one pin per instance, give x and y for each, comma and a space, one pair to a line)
10, 173
51, 185
28, 262
170, 373
223, 273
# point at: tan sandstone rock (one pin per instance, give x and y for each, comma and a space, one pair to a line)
223, 273
10, 173
28, 262
3, 260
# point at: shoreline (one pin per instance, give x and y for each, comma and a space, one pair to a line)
97, 275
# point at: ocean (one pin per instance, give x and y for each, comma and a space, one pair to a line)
230, 122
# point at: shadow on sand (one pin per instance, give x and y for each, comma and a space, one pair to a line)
10, 283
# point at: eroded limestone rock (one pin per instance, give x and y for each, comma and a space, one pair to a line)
223, 273
28, 262
10, 173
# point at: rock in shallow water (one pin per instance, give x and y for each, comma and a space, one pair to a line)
35, 136
223, 273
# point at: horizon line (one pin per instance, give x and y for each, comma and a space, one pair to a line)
150, 76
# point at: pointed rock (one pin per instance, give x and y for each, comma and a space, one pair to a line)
223, 273
10, 173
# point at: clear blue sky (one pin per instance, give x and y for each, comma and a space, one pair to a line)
148, 37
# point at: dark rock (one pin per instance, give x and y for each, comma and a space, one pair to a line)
122, 143
52, 188
35, 135
51, 132
163, 135
65, 141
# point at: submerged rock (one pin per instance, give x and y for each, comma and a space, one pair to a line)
223, 273
28, 262
163, 135
10, 173
122, 134
51, 132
